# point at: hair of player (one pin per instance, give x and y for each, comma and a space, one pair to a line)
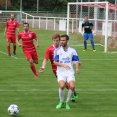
12, 14
26, 23
56, 35
66, 36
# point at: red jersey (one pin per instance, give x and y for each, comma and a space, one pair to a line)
27, 40
11, 27
50, 55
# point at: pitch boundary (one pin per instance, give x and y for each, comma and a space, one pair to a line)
80, 58
49, 90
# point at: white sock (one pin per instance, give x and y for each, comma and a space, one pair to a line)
69, 95
61, 94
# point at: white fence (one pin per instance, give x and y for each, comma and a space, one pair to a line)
41, 22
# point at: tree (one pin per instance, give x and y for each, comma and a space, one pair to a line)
55, 4
3, 4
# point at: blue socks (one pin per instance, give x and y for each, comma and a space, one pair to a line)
92, 44
85, 45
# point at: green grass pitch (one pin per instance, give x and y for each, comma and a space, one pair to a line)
96, 85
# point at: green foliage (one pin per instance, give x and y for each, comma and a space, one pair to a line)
55, 5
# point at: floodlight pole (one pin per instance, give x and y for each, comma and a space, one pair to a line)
81, 10
37, 6
77, 14
20, 10
115, 9
6, 5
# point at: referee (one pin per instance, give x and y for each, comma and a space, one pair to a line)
87, 32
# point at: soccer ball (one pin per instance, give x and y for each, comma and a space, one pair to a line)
13, 109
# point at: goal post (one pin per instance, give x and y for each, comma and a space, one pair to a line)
102, 14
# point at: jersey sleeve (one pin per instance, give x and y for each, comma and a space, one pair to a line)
34, 36
91, 24
17, 25
56, 56
75, 57
47, 54
19, 36
7, 24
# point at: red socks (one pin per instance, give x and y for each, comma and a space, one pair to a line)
33, 69
8, 49
68, 87
14, 48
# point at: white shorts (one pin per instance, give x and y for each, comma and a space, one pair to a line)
67, 79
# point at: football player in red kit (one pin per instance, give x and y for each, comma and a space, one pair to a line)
28, 47
9, 33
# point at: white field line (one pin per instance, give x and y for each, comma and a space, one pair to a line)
11, 55
81, 59
50, 90
99, 59
7, 55
83, 45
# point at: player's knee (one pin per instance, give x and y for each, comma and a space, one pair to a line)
62, 86
72, 87
8, 44
14, 44
36, 62
31, 62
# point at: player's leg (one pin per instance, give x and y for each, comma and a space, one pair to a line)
92, 42
8, 45
31, 62
75, 96
13, 40
54, 71
62, 84
85, 41
71, 81
14, 49
33, 68
35, 60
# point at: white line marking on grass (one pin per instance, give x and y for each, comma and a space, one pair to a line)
112, 52
7, 55
81, 59
99, 59
21, 58
50, 90
83, 45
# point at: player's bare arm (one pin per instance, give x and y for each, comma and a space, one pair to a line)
80, 64
62, 65
93, 30
17, 41
77, 68
41, 70
82, 31
5, 32
18, 30
37, 42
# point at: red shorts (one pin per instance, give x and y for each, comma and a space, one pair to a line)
11, 39
31, 55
